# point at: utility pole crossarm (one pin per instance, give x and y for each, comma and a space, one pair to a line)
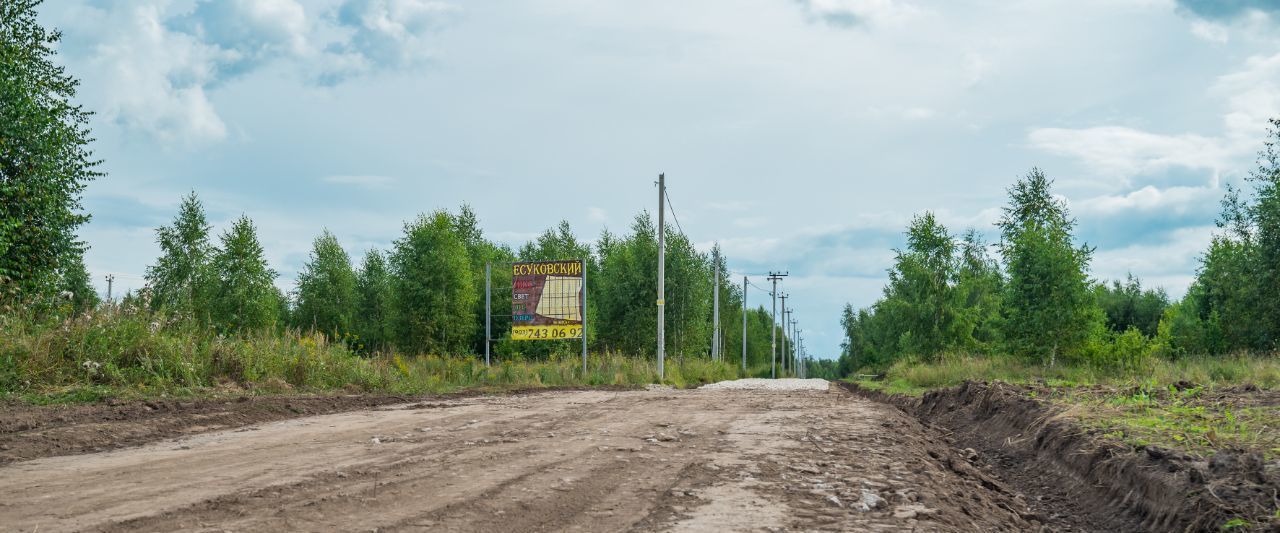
773, 326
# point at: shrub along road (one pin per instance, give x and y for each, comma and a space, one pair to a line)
646, 460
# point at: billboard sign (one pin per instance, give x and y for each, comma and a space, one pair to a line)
547, 300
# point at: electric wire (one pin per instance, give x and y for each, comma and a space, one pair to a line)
673, 213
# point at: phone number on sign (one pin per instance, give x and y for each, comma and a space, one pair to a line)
545, 333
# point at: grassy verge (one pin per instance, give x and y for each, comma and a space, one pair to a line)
124, 355
1197, 405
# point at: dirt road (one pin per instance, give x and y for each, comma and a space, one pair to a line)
657, 460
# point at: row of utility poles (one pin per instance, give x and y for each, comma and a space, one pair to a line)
795, 359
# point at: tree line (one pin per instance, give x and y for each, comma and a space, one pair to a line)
1030, 294
425, 294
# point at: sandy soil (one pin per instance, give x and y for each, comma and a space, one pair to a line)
656, 460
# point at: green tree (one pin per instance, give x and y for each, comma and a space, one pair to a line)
76, 282
919, 293
326, 293
244, 297
180, 278
1048, 307
1127, 305
977, 297
1182, 331
434, 287
373, 310
45, 163
1228, 298
481, 252
628, 288
1266, 218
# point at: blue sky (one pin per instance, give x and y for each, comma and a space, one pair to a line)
801, 135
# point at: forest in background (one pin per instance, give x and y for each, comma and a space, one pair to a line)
1030, 296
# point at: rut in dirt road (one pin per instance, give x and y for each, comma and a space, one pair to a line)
658, 460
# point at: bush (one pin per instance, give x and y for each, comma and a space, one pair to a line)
128, 350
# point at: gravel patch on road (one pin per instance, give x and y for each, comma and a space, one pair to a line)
769, 384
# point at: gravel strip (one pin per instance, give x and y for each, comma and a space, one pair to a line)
769, 384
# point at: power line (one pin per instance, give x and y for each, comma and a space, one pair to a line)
673, 214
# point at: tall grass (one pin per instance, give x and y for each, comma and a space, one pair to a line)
911, 377
127, 352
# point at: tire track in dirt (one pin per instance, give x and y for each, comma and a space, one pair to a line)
587, 460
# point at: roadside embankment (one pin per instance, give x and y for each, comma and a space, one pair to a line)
1080, 474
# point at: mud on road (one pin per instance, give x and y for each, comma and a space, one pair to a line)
659, 460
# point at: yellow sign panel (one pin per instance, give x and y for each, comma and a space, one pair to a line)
545, 333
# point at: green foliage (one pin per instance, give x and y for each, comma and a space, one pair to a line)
1127, 305
374, 297
44, 160
180, 281
481, 252
1265, 213
918, 299
940, 299
434, 293
1182, 332
76, 285
1048, 307
133, 352
244, 298
326, 292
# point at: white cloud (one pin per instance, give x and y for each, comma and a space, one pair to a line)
365, 181
154, 66
597, 214
976, 68
1170, 263
860, 12
1209, 31
1120, 152
148, 78
1250, 96
387, 34
917, 113
249, 31
1253, 96
1173, 199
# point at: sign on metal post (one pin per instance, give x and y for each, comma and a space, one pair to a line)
547, 300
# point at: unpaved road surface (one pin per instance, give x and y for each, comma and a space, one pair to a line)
653, 460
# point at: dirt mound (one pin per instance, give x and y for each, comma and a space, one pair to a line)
1073, 475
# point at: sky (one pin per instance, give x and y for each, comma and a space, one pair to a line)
800, 135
